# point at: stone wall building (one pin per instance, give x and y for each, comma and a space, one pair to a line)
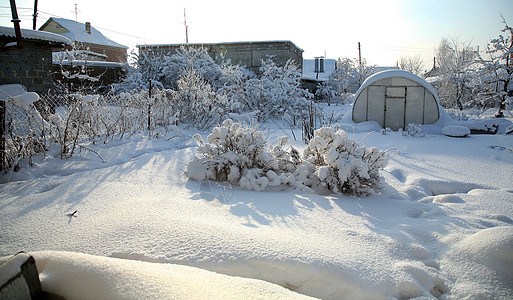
30, 65
248, 54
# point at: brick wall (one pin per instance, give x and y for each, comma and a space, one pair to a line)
248, 54
29, 66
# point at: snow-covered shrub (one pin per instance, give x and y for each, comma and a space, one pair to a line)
231, 86
194, 101
277, 92
349, 75
172, 66
327, 93
24, 130
342, 165
413, 129
239, 154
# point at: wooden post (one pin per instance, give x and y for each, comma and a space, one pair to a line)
149, 107
3, 161
186, 27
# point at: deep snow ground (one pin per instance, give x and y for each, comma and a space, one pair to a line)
442, 226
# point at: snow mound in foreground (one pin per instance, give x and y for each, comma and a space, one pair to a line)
83, 276
483, 262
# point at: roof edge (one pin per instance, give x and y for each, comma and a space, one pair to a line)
216, 44
29, 34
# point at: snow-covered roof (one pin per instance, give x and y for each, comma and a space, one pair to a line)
213, 44
90, 63
309, 69
76, 32
78, 55
48, 37
396, 73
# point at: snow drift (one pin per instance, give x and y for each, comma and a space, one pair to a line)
82, 276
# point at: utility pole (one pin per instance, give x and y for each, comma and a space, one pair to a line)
186, 27
16, 22
359, 54
35, 15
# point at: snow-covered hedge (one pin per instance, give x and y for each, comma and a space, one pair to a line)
240, 154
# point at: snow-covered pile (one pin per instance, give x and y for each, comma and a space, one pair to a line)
239, 154
456, 131
82, 276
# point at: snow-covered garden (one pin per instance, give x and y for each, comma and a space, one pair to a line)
222, 184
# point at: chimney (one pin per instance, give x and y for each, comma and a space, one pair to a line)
88, 27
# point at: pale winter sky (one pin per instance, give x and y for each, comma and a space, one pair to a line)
385, 29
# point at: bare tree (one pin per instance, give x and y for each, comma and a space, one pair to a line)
498, 66
456, 60
413, 64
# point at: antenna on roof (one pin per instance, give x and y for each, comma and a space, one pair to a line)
186, 27
76, 12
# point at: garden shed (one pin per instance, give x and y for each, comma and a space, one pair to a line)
394, 99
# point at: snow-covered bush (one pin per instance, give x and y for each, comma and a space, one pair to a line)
23, 132
239, 154
413, 129
277, 92
495, 82
327, 93
349, 75
342, 165
172, 66
194, 101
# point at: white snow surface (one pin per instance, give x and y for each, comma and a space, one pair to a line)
37, 35
440, 228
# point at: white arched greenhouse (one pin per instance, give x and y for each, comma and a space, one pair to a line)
394, 99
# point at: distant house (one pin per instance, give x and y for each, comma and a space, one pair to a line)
316, 71
31, 65
95, 62
248, 54
87, 38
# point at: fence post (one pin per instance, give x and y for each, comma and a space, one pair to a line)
3, 161
149, 108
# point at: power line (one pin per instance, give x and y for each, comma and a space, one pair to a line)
8, 7
105, 29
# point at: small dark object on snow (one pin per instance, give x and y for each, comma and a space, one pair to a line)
486, 130
72, 214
